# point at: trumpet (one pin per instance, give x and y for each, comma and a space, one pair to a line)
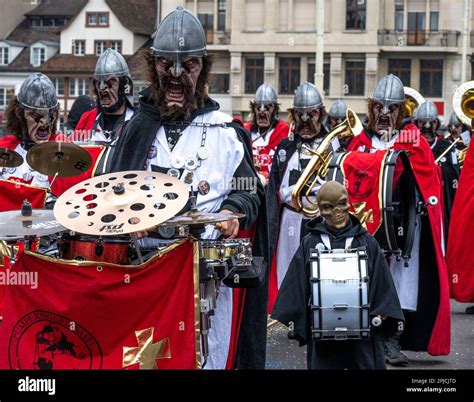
413, 99
318, 166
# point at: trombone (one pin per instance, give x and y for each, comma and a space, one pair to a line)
318, 166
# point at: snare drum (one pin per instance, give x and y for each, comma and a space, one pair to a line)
340, 292
116, 250
222, 250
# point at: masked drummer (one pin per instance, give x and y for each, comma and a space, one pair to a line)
334, 227
266, 129
458, 130
32, 118
427, 120
180, 131
422, 281
286, 226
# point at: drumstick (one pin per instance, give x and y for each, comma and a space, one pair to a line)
137, 248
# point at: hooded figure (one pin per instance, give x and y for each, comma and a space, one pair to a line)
427, 120
286, 226
266, 129
180, 131
422, 287
292, 306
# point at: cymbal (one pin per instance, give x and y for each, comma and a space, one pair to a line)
10, 158
63, 158
200, 218
121, 203
40, 223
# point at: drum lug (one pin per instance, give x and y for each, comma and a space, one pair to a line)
99, 248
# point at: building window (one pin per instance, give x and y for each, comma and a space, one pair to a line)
221, 15
38, 56
59, 84
5, 95
401, 68
355, 77
434, 20
100, 20
326, 72
253, 74
355, 14
207, 22
4, 56
79, 47
431, 78
77, 86
219, 84
289, 74
399, 14
102, 45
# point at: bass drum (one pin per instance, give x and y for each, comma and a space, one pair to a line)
398, 197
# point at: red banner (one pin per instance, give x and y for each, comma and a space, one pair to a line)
363, 180
13, 193
86, 315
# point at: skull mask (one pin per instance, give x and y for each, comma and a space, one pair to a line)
333, 203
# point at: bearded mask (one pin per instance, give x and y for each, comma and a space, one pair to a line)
308, 122
264, 115
385, 120
428, 128
39, 125
111, 93
333, 203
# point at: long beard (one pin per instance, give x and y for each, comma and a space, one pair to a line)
176, 112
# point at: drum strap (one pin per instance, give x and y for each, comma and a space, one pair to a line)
327, 243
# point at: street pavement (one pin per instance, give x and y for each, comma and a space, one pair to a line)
283, 353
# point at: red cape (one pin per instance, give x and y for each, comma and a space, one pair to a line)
428, 177
61, 184
280, 132
87, 120
459, 255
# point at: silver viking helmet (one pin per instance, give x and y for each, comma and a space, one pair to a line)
338, 109
111, 63
389, 91
453, 119
265, 95
427, 110
38, 94
307, 97
179, 36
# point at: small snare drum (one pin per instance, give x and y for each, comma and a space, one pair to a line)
223, 250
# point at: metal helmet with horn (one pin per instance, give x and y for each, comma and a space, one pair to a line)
413, 99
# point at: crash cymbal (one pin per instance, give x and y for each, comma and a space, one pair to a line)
10, 158
121, 203
63, 158
41, 223
200, 218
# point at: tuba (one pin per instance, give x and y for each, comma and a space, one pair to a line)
413, 99
318, 166
463, 106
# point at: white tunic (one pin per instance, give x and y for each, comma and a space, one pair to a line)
226, 153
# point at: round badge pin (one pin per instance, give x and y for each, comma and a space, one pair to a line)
203, 153
177, 162
173, 173
282, 155
204, 187
191, 164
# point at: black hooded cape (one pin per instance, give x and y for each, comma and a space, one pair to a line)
293, 301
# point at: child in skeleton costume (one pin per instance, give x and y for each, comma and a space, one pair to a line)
180, 131
266, 129
32, 118
286, 226
337, 229
427, 121
422, 287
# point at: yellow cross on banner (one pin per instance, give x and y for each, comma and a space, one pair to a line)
363, 215
146, 352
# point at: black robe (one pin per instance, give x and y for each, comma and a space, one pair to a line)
293, 302
450, 174
131, 154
